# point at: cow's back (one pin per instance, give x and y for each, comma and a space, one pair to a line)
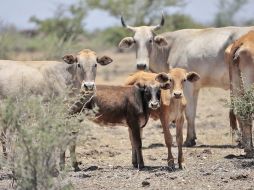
202, 51
30, 77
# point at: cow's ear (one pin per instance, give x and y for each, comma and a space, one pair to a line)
165, 86
104, 60
141, 85
126, 42
70, 59
160, 41
192, 76
162, 77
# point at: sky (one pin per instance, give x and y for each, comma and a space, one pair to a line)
18, 12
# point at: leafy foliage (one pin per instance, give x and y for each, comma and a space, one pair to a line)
137, 12
244, 105
35, 133
65, 24
227, 10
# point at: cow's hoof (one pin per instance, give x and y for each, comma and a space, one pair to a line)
189, 143
182, 166
141, 166
135, 165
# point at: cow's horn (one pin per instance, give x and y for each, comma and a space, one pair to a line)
127, 26
161, 23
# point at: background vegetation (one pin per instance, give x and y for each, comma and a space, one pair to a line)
66, 32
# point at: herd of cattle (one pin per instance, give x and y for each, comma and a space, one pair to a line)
181, 63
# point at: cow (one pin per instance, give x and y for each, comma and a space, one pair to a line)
240, 58
48, 78
130, 106
172, 106
199, 50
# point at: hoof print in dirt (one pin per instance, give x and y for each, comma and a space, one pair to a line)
145, 183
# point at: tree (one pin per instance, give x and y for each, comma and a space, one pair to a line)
137, 12
227, 11
65, 24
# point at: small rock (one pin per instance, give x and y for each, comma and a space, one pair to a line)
159, 174
155, 145
207, 151
82, 175
239, 177
207, 173
173, 177
91, 168
145, 183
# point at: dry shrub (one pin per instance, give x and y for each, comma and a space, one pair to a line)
35, 132
244, 105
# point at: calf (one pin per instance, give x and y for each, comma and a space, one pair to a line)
130, 105
172, 106
240, 58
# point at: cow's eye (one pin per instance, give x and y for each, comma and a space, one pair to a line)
78, 65
95, 65
159, 93
150, 41
184, 80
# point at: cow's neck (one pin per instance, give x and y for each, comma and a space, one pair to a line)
158, 60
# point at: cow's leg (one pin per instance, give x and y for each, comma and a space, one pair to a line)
73, 153
3, 141
164, 117
192, 98
233, 125
62, 159
135, 130
246, 126
179, 140
134, 154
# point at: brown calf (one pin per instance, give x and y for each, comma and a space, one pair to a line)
240, 58
129, 105
172, 106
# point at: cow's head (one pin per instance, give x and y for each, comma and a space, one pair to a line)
144, 39
150, 93
243, 56
83, 67
177, 78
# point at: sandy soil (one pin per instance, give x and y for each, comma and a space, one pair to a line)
105, 152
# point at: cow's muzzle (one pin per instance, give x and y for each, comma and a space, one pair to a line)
88, 86
154, 105
141, 66
177, 95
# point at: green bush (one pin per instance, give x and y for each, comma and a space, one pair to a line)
244, 105
36, 131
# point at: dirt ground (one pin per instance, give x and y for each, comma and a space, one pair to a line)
105, 152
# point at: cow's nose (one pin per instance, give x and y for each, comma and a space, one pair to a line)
141, 66
88, 85
177, 94
154, 105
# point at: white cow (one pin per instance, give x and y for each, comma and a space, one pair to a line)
199, 50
